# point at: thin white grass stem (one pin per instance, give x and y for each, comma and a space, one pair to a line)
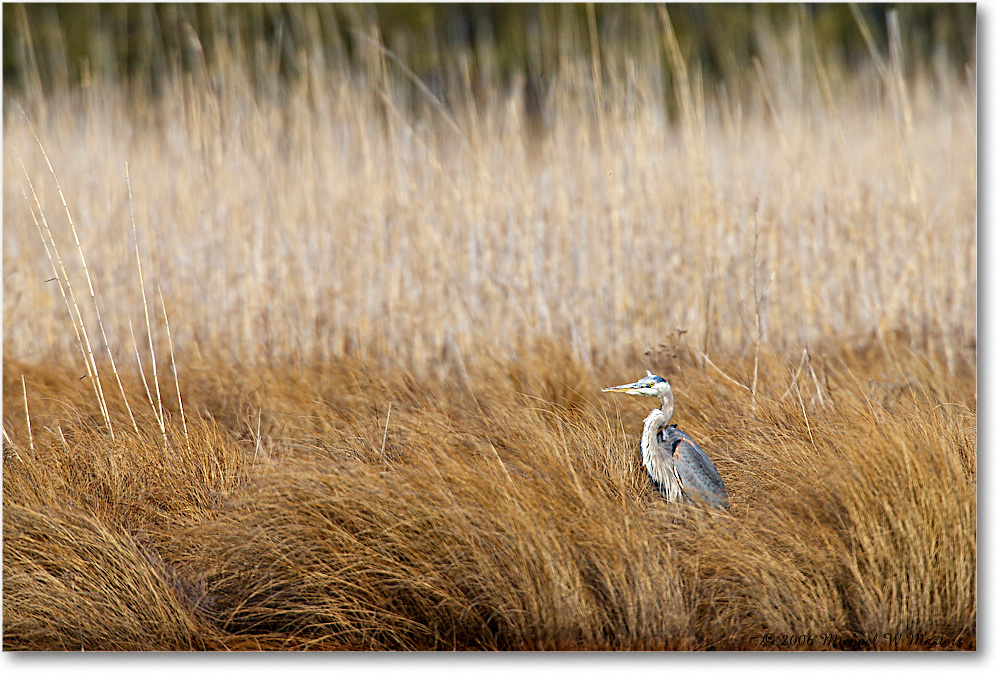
145, 306
86, 271
256, 445
795, 377
173, 365
719, 370
385, 433
10, 444
63, 280
60, 275
754, 265
805, 415
79, 327
62, 437
812, 373
145, 384
27, 415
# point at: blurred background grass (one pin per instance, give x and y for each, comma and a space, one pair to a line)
53, 45
427, 182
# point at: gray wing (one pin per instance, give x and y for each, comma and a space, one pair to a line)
698, 476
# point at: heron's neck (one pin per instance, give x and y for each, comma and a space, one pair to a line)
667, 406
655, 421
657, 460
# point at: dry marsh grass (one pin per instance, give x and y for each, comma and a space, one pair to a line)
345, 215
72, 582
391, 326
512, 516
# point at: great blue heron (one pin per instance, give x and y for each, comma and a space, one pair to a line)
678, 468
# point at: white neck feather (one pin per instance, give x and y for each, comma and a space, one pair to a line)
659, 465
667, 405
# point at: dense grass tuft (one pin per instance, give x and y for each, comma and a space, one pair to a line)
72, 582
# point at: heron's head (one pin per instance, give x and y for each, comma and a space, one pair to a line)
651, 385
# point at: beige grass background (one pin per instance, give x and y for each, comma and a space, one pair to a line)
342, 217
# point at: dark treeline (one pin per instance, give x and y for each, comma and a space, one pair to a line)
60, 45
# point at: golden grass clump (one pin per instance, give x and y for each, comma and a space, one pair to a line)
73, 583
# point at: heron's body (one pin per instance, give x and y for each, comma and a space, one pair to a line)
677, 467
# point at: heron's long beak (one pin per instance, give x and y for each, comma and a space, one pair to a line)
624, 388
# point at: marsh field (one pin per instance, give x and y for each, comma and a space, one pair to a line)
303, 340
